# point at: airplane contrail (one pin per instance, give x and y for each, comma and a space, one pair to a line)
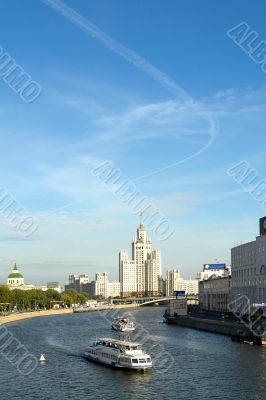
141, 63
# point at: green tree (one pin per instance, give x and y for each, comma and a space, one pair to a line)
5, 294
38, 299
53, 295
20, 299
73, 295
67, 299
82, 298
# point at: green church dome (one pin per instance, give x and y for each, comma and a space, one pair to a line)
15, 273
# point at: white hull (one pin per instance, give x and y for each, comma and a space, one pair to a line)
118, 353
123, 325
120, 329
114, 363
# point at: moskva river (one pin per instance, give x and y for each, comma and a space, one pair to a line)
188, 364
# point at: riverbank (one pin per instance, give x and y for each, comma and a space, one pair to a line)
33, 314
45, 313
226, 324
102, 308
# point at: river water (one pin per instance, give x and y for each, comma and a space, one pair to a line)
188, 364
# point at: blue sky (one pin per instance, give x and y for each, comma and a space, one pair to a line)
95, 105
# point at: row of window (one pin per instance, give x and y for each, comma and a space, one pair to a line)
106, 355
124, 359
109, 356
248, 282
252, 293
135, 360
244, 272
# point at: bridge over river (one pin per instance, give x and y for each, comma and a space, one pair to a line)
147, 301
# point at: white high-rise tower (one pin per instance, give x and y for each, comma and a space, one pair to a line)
141, 275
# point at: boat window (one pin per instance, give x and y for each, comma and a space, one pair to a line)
135, 360
142, 360
148, 360
134, 348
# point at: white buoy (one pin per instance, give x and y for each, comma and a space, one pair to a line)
42, 358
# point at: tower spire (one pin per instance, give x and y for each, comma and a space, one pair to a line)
141, 220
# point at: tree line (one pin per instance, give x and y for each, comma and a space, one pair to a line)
36, 299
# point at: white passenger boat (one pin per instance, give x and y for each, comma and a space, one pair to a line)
123, 325
118, 353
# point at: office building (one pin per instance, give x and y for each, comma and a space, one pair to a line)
214, 293
216, 270
174, 283
140, 276
249, 269
54, 286
77, 282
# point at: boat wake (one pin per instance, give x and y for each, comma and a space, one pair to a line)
60, 347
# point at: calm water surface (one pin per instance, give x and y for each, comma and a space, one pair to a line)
205, 366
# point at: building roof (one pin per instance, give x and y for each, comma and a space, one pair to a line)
15, 273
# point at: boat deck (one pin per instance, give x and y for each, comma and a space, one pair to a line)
118, 341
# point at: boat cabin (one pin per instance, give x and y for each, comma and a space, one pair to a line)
122, 345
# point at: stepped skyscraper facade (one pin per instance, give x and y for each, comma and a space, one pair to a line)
142, 274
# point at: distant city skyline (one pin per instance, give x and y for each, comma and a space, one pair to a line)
96, 106
40, 272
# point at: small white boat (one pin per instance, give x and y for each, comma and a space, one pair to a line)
118, 353
123, 325
42, 358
